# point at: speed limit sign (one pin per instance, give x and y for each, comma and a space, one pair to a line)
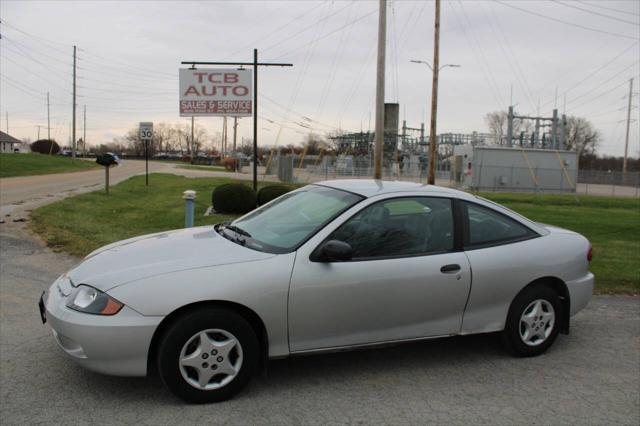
146, 130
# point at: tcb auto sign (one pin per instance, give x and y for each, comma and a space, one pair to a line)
215, 92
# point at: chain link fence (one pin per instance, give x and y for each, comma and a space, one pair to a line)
293, 168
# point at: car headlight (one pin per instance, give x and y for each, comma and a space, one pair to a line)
92, 301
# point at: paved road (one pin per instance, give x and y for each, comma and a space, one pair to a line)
22, 194
589, 377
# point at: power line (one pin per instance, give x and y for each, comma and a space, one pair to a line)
40, 39
339, 54
605, 82
626, 12
24, 46
595, 13
600, 68
292, 36
128, 66
262, 39
49, 68
573, 24
326, 35
599, 96
517, 70
479, 59
27, 69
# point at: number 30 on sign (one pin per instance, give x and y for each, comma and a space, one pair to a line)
146, 130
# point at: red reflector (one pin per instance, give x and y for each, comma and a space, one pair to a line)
590, 254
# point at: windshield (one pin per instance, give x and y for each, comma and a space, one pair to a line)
284, 224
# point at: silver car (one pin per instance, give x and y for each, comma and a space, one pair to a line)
330, 266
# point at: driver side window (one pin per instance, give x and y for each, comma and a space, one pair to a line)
399, 227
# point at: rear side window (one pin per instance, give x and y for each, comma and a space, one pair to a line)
488, 227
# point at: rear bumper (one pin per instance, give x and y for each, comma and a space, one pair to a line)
580, 292
115, 345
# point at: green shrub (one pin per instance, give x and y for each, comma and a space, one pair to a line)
44, 146
235, 198
272, 192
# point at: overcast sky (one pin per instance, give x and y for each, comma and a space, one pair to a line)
129, 54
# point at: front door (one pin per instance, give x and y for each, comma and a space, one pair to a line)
406, 279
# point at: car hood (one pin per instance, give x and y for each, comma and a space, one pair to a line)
157, 254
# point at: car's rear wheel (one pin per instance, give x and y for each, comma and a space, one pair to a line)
533, 321
208, 355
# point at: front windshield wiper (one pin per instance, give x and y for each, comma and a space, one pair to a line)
237, 230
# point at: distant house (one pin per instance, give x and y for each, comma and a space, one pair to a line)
8, 143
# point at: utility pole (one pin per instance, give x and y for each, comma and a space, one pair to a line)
73, 131
379, 132
48, 119
626, 139
84, 133
431, 180
255, 120
7, 115
235, 131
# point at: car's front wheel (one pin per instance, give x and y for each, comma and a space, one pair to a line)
208, 355
533, 322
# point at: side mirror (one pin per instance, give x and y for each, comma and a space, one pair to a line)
335, 251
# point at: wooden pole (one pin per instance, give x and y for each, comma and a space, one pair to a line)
106, 179
431, 180
379, 135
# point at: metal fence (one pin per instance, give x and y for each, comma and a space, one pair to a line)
487, 178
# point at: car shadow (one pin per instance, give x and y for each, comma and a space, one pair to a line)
300, 372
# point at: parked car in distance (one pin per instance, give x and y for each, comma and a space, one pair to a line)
331, 266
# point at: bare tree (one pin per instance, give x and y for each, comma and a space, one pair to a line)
581, 136
498, 122
314, 144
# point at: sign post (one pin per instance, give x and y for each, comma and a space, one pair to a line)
146, 134
223, 92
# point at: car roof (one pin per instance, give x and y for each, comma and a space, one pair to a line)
372, 187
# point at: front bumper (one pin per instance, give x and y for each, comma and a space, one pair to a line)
580, 292
115, 345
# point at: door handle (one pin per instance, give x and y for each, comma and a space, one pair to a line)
449, 269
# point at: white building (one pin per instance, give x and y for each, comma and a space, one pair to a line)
8, 143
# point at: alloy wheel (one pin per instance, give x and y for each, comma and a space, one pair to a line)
210, 359
537, 322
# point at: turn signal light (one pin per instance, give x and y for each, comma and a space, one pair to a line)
590, 254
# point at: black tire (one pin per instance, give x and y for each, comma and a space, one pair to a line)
512, 339
183, 330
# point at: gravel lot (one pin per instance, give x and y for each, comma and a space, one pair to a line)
589, 377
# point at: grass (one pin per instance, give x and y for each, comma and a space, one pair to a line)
611, 224
81, 224
207, 168
40, 164
85, 222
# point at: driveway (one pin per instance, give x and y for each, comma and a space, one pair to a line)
589, 377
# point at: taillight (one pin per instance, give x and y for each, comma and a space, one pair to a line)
590, 253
